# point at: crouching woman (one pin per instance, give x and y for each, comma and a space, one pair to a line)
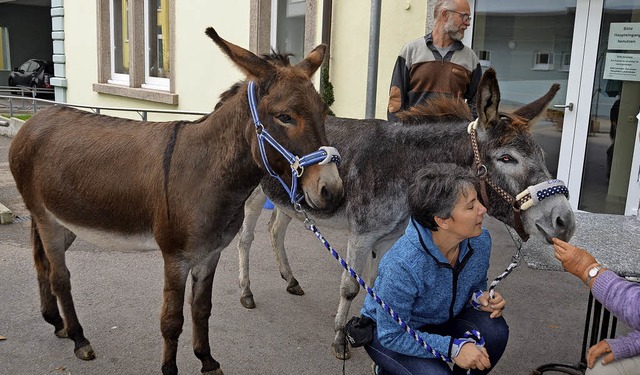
435, 278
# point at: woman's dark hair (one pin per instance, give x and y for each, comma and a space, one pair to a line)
435, 191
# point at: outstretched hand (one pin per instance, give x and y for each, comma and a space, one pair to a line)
575, 260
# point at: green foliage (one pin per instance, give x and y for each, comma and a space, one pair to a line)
21, 117
326, 88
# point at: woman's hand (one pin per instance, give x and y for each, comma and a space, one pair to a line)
472, 357
596, 351
574, 259
494, 306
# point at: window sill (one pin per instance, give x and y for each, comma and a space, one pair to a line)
137, 93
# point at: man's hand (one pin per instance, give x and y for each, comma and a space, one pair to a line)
472, 357
574, 259
596, 351
494, 306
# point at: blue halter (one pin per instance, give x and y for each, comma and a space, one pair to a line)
323, 156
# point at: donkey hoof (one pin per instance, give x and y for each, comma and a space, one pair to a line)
85, 353
248, 302
217, 371
62, 333
295, 290
341, 351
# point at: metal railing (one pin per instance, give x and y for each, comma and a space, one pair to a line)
24, 104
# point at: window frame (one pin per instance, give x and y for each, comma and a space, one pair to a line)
116, 78
564, 66
154, 83
5, 57
485, 63
135, 88
537, 65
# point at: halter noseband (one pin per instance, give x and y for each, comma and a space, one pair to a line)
525, 199
324, 155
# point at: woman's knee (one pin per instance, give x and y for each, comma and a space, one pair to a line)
626, 366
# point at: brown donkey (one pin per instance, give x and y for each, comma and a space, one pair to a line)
177, 186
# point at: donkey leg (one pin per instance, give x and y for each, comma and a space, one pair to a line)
358, 249
55, 240
172, 316
48, 301
278, 229
202, 285
252, 209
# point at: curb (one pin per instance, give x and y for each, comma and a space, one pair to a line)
6, 216
14, 125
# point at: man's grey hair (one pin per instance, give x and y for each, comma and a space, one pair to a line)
435, 192
443, 4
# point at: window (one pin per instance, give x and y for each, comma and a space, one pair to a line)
288, 28
5, 58
485, 58
134, 61
566, 62
119, 42
156, 62
542, 61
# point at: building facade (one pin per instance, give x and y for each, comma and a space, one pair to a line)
154, 54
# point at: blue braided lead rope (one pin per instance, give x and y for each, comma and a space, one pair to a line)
514, 263
473, 334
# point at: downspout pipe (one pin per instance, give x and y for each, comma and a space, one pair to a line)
327, 12
372, 68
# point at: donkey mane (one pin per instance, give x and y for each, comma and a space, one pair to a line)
438, 108
275, 58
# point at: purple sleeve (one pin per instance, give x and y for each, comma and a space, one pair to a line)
622, 298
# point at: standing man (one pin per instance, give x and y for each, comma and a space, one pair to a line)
437, 63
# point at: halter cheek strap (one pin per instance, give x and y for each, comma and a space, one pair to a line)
526, 199
324, 155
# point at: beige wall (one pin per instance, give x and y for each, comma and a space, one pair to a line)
400, 21
202, 71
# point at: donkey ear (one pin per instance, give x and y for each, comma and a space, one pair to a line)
488, 97
311, 63
250, 63
533, 109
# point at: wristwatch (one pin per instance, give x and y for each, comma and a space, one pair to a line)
593, 272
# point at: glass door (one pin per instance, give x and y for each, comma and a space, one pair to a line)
597, 155
590, 131
531, 45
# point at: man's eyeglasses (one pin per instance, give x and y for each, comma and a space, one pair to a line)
465, 16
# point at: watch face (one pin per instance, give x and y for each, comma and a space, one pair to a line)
593, 271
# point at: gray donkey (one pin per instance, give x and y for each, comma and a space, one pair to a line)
379, 162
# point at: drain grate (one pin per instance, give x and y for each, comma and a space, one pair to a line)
21, 219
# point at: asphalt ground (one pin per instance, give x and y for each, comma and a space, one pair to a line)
118, 299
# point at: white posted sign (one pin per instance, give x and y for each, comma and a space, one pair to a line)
622, 66
624, 35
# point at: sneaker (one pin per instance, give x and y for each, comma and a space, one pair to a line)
375, 369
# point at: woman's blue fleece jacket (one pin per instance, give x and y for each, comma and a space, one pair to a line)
419, 284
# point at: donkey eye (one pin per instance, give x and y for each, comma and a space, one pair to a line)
285, 119
507, 159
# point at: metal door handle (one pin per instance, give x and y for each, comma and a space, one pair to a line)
570, 106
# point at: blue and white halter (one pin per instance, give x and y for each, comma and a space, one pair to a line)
324, 155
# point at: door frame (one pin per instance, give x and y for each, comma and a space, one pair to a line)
573, 146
